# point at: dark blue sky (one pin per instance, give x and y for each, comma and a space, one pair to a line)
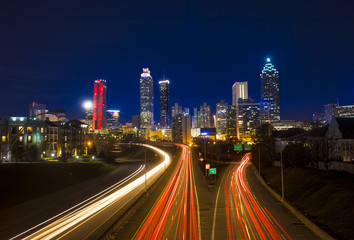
51, 52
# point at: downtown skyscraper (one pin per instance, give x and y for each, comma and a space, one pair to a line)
146, 100
164, 103
239, 90
270, 90
99, 117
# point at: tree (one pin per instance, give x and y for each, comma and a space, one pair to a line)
33, 152
297, 155
17, 151
264, 133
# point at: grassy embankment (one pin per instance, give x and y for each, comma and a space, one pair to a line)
21, 182
326, 200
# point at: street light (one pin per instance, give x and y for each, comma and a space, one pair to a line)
281, 170
87, 105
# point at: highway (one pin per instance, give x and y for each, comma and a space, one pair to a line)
175, 213
90, 218
247, 211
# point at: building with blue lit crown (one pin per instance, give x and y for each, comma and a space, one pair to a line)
146, 100
270, 90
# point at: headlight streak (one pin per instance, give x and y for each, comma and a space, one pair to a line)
179, 190
89, 210
251, 220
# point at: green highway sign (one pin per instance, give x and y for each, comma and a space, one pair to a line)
212, 171
248, 147
238, 147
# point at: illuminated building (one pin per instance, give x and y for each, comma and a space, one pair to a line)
99, 117
231, 121
176, 110
164, 104
239, 90
221, 117
113, 119
204, 116
146, 100
249, 113
270, 90
181, 128
37, 110
334, 110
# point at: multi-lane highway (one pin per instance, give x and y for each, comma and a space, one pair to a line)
247, 211
175, 213
91, 217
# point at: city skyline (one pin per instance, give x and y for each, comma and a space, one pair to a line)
56, 67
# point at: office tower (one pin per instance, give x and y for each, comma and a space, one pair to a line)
231, 121
221, 117
37, 110
239, 90
345, 111
196, 118
181, 128
248, 118
99, 116
146, 100
164, 104
334, 110
113, 119
204, 116
270, 90
136, 121
176, 110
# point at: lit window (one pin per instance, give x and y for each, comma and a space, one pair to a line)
21, 139
29, 138
42, 130
4, 138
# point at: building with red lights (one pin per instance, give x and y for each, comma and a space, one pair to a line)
99, 116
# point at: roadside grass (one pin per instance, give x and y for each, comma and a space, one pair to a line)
20, 182
326, 200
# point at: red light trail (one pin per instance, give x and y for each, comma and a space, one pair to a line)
174, 213
246, 218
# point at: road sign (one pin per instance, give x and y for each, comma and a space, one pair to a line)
201, 159
238, 147
212, 171
248, 147
207, 166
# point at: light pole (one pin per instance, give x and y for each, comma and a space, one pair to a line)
259, 159
281, 170
145, 172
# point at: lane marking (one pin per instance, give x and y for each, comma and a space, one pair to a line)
215, 208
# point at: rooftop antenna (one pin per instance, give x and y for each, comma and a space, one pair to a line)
337, 101
163, 74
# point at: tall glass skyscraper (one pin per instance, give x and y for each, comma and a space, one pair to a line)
146, 100
99, 117
164, 104
239, 90
270, 90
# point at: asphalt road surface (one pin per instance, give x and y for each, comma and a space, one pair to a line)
84, 211
246, 210
175, 213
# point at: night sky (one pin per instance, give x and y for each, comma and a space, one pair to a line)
52, 51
